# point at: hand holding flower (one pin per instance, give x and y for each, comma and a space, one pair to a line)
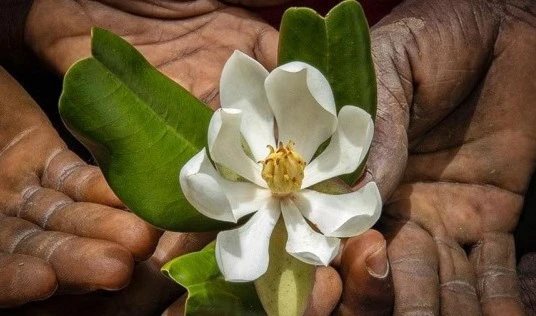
292, 96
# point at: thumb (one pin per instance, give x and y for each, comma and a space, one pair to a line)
367, 284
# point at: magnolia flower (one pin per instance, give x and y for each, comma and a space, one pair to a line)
267, 132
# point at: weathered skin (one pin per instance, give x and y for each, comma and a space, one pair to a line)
457, 77
60, 226
454, 147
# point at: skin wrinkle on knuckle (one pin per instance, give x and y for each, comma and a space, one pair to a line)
494, 262
55, 174
27, 196
497, 281
415, 266
65, 173
459, 287
54, 209
412, 309
56, 245
81, 182
21, 237
17, 139
35, 209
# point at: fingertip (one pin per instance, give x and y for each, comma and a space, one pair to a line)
326, 292
368, 250
175, 244
85, 265
177, 308
24, 279
137, 236
365, 271
377, 263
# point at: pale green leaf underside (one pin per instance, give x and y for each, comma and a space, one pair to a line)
285, 288
208, 292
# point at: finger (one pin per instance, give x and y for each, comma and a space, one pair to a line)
81, 264
367, 283
177, 308
172, 245
66, 172
24, 279
457, 287
494, 259
457, 280
326, 292
388, 152
54, 211
265, 48
414, 266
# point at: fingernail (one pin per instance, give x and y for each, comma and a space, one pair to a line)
377, 264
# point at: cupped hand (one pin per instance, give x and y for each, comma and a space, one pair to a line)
457, 76
189, 41
60, 229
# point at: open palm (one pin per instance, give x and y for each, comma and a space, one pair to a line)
457, 76
189, 41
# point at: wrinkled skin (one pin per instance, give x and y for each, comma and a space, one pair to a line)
456, 77
176, 37
60, 226
455, 92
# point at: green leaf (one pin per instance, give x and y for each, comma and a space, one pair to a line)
285, 288
208, 292
339, 46
140, 126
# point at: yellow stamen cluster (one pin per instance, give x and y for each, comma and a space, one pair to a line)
283, 169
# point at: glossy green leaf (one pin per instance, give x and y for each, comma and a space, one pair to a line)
285, 288
208, 292
339, 46
140, 126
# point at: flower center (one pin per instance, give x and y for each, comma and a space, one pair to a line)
283, 169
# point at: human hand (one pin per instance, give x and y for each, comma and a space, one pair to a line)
458, 77
178, 38
189, 41
60, 229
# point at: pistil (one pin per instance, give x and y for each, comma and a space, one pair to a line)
283, 169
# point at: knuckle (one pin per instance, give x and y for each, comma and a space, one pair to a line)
461, 287
497, 282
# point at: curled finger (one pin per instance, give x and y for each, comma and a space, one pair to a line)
81, 264
367, 282
25, 279
53, 210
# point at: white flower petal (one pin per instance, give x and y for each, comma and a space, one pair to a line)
244, 197
303, 105
202, 190
242, 87
303, 242
242, 253
347, 148
216, 197
342, 215
225, 147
